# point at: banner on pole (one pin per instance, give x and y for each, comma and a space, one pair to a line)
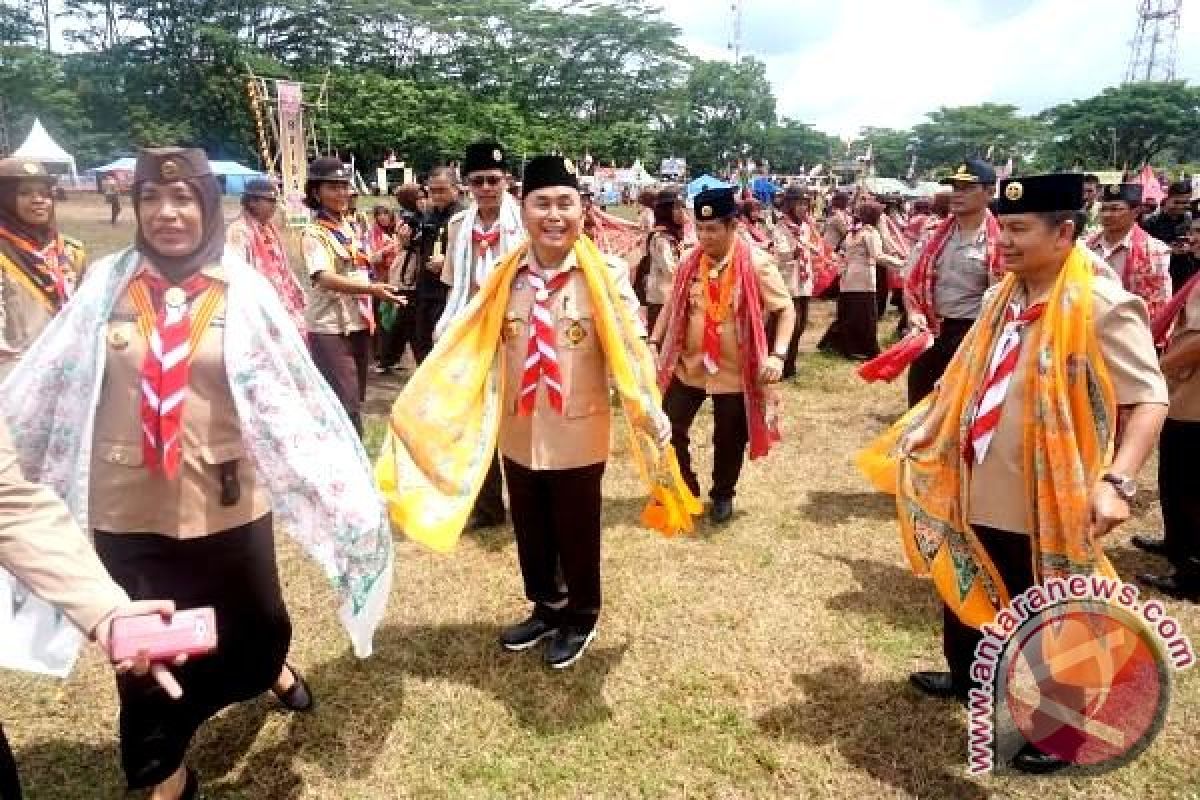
293, 152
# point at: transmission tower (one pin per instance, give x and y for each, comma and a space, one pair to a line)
1156, 44
735, 41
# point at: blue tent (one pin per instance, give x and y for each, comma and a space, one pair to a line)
706, 182
763, 190
233, 176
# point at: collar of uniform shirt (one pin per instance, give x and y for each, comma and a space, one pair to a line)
1108, 250
567, 264
979, 238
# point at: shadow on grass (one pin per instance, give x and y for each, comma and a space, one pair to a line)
913, 744
889, 592
834, 508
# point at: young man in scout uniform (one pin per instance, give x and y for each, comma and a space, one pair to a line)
1142, 263
1053, 330
477, 238
952, 268
1179, 326
712, 342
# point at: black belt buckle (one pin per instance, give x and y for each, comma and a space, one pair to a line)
231, 487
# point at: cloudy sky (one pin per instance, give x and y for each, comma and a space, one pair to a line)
843, 64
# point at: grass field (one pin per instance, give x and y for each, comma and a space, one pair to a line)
765, 660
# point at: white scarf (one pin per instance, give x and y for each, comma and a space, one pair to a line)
303, 447
469, 272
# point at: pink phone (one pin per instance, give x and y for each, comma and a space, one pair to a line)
192, 632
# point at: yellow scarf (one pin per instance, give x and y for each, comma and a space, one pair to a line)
1069, 419
445, 423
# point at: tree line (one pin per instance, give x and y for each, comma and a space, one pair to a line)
425, 77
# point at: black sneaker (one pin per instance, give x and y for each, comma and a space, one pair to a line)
568, 646
721, 511
526, 634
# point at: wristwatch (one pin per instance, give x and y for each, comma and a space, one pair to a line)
1126, 487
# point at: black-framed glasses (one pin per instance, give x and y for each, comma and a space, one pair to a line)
479, 181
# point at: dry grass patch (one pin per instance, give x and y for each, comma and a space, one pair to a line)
767, 659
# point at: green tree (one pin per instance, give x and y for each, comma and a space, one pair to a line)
952, 134
891, 150
1156, 123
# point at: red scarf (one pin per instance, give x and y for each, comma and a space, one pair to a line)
45, 269
1140, 277
1162, 323
541, 358
751, 336
922, 281
266, 247
813, 252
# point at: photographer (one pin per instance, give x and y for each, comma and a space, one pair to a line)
429, 239
1172, 226
401, 273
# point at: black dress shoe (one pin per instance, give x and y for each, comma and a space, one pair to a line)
934, 684
1156, 547
1176, 585
721, 512
568, 646
525, 635
297, 698
1032, 761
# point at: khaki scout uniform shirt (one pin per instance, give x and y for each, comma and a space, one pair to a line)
962, 275
728, 379
863, 250
1184, 384
997, 490
664, 260
23, 315
332, 312
578, 437
790, 265
42, 546
125, 496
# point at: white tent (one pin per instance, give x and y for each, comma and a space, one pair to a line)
40, 147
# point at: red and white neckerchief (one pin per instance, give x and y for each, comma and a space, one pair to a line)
999, 377
165, 316
541, 359
348, 236
486, 243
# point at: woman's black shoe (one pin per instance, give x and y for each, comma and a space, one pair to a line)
297, 698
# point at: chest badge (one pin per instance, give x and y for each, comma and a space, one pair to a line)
512, 328
576, 333
117, 339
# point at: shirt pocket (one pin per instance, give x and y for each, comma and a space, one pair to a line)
584, 370
214, 454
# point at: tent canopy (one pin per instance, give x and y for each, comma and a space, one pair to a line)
40, 147
706, 182
234, 175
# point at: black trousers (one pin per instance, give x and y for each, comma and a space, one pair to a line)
428, 311
556, 517
234, 572
1012, 554
342, 360
1177, 448
730, 435
490, 501
927, 370
652, 312
10, 781
882, 292
793, 350
402, 333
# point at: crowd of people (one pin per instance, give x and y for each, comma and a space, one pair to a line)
172, 402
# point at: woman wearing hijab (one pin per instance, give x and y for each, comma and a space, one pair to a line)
853, 332
174, 407
665, 248
38, 266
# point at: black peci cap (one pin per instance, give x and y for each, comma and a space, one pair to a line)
713, 204
1035, 194
484, 155
1130, 193
544, 172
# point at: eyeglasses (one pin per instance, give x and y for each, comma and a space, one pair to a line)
479, 181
